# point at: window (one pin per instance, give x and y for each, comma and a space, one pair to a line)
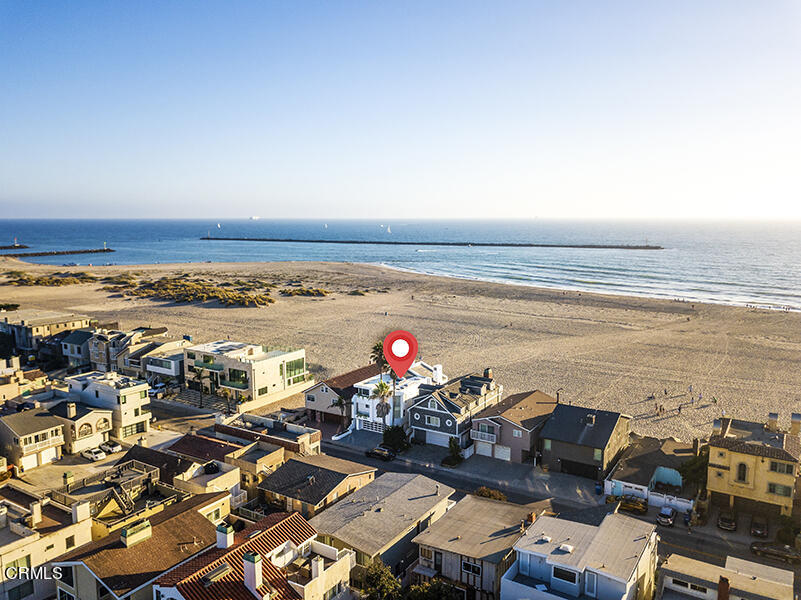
84, 430
433, 421
523, 560
68, 576
484, 428
21, 591
97, 395
779, 467
264, 390
564, 574
426, 553
597, 454
780, 490
470, 568
295, 368
309, 398
432, 404
590, 581
133, 429
50, 547
517, 433
23, 562
324, 389
680, 583
742, 473
190, 355
136, 412
214, 515
718, 474
698, 588
70, 541
102, 424
546, 444
64, 595
143, 394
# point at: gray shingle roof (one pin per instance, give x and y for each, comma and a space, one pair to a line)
81, 410
571, 424
640, 460
30, 421
372, 518
78, 337
310, 480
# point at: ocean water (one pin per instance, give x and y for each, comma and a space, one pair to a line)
731, 263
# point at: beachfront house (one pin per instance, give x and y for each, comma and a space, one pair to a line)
124, 396
249, 373
471, 547
568, 559
753, 466
329, 401
84, 426
583, 441
108, 347
29, 327
509, 430
75, 348
441, 412
372, 413
380, 520
649, 469
31, 438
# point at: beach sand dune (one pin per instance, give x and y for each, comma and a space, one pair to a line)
610, 352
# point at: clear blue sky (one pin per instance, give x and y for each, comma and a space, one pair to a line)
379, 109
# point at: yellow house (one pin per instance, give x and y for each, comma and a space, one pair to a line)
754, 466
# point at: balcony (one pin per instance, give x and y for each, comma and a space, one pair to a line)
57, 440
482, 436
239, 385
238, 499
210, 366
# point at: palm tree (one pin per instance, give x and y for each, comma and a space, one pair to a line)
342, 405
198, 376
382, 391
377, 356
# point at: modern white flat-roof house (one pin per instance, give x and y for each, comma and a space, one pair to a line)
250, 373
366, 412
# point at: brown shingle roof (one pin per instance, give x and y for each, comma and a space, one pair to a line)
202, 448
262, 537
343, 384
178, 532
527, 409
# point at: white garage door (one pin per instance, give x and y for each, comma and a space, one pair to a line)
29, 462
483, 448
503, 452
47, 456
436, 438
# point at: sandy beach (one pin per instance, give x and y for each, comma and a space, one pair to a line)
609, 352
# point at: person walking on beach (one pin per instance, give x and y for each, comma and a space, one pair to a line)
691, 389
679, 408
665, 391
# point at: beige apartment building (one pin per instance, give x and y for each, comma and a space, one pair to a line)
28, 327
251, 374
34, 531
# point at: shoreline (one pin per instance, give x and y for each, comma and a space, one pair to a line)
450, 276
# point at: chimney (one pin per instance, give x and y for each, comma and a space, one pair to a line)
437, 489
723, 589
317, 566
522, 526
488, 372
14, 362
36, 513
696, 446
795, 424
225, 535
251, 564
71, 410
717, 427
81, 511
773, 422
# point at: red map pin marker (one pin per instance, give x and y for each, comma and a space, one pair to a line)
400, 350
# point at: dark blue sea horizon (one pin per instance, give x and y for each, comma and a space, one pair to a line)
731, 263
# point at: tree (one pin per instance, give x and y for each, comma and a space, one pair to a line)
380, 583
486, 492
395, 438
377, 356
198, 376
226, 394
455, 452
434, 590
342, 405
382, 391
694, 470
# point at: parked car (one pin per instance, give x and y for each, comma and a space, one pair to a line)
666, 516
778, 551
157, 389
110, 447
727, 520
759, 526
634, 504
93, 454
383, 453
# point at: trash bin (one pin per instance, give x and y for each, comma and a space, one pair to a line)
599, 488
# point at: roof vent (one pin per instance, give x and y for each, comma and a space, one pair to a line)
566, 548
546, 539
591, 419
216, 574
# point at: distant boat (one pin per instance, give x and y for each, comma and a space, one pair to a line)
254, 218
389, 229
326, 225
218, 225
382, 226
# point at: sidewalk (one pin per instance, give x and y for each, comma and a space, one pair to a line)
482, 470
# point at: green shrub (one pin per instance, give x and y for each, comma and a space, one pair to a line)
486, 492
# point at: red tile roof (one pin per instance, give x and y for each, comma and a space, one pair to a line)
342, 384
262, 537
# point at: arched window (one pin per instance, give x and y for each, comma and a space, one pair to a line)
103, 424
85, 430
742, 472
